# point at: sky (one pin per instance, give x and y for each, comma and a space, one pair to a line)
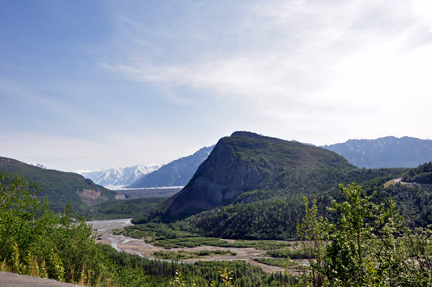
88, 85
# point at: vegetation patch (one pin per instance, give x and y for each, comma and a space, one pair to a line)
182, 254
117, 231
209, 241
289, 253
159, 231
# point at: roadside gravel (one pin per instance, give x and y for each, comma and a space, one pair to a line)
8, 279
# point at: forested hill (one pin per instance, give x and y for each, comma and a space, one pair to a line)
421, 174
247, 167
60, 187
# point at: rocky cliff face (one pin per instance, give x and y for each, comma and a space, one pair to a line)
90, 197
219, 179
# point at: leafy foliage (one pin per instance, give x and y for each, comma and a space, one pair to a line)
55, 245
413, 202
39, 242
181, 254
369, 245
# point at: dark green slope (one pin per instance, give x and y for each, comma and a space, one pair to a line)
113, 209
247, 167
276, 218
60, 187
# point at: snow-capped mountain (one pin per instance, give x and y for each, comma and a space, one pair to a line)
175, 173
118, 176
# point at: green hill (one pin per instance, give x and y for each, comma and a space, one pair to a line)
60, 187
247, 167
251, 187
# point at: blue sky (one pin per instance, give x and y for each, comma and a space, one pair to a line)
100, 84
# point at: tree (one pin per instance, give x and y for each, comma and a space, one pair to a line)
36, 241
370, 245
311, 232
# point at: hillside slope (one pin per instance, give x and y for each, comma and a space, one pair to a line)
60, 187
176, 173
385, 152
421, 174
247, 167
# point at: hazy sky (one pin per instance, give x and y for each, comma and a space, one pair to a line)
100, 84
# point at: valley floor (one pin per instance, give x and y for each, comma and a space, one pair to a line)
139, 247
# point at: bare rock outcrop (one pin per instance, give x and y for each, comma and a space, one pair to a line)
91, 197
218, 181
120, 196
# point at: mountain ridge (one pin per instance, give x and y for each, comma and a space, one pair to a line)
387, 151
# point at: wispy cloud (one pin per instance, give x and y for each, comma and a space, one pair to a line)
299, 53
160, 79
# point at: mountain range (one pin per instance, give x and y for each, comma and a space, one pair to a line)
385, 152
114, 177
176, 173
369, 153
